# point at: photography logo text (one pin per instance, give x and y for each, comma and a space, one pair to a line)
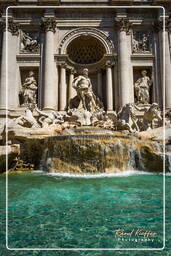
135, 235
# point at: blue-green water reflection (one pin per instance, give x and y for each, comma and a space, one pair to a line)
53, 212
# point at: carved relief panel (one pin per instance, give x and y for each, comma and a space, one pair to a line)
29, 42
141, 42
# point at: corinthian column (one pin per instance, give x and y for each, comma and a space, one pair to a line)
71, 91
109, 86
126, 87
164, 37
62, 88
9, 48
50, 88
99, 83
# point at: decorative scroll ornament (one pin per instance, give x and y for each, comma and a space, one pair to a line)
123, 24
49, 24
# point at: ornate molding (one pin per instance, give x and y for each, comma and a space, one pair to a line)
49, 24
123, 24
108, 44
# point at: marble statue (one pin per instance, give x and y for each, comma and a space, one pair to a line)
27, 120
28, 44
127, 119
29, 90
82, 85
47, 119
151, 116
142, 88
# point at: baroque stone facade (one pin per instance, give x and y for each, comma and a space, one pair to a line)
122, 47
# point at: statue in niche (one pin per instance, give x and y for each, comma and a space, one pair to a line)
29, 90
29, 44
142, 88
141, 42
85, 98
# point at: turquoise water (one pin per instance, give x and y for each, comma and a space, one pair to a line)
52, 212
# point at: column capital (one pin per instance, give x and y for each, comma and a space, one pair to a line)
109, 64
168, 24
99, 70
2, 25
72, 70
13, 27
63, 65
123, 24
49, 24
158, 25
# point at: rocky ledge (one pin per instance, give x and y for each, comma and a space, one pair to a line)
87, 150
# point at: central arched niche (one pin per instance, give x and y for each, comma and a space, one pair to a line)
85, 49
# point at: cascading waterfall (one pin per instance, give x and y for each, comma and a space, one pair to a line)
91, 153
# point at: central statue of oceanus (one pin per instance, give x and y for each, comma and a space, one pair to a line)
85, 98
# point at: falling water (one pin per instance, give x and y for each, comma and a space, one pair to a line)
92, 153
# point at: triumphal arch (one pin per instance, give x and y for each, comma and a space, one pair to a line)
45, 44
